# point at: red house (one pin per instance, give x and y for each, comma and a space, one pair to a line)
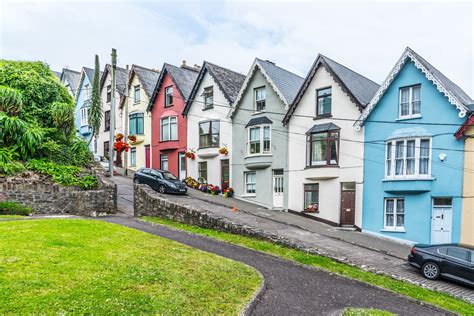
168, 126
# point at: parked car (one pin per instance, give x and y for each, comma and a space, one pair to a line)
451, 261
161, 180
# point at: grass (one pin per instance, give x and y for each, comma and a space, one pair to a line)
429, 296
10, 216
365, 312
76, 266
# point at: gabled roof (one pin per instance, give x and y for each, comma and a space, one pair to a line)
72, 77
121, 77
183, 78
469, 122
147, 78
285, 83
456, 96
359, 88
228, 81
318, 128
90, 73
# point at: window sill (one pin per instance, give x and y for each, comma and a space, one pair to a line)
322, 166
258, 155
411, 117
208, 108
168, 141
136, 103
320, 117
249, 195
168, 106
210, 147
389, 230
409, 179
258, 112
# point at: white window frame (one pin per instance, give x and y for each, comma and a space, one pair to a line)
84, 116
395, 213
247, 193
207, 95
133, 156
136, 88
261, 135
404, 176
410, 102
255, 98
168, 119
87, 95
163, 158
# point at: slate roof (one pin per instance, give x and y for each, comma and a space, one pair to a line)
287, 82
470, 107
259, 121
359, 88
449, 85
72, 77
57, 74
90, 73
184, 79
121, 78
148, 78
229, 82
318, 128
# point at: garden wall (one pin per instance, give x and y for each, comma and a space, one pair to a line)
46, 197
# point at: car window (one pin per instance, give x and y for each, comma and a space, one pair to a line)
156, 174
442, 250
459, 253
146, 171
169, 176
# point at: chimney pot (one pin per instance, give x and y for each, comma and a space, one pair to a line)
183, 64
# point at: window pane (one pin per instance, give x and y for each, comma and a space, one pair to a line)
140, 125
404, 102
400, 206
399, 152
458, 253
324, 92
333, 144
204, 128
165, 129
255, 133
215, 127
389, 159
174, 131
318, 153
133, 125
410, 157
424, 156
389, 208
442, 201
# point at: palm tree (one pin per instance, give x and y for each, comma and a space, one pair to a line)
95, 110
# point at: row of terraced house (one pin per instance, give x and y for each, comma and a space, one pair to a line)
395, 160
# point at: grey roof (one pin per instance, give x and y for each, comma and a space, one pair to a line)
147, 77
451, 86
57, 74
90, 73
259, 121
228, 81
184, 78
318, 128
72, 77
287, 82
470, 107
121, 78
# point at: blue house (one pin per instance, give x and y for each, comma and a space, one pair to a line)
413, 164
82, 101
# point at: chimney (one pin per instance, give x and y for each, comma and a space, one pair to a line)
269, 61
195, 68
198, 67
183, 65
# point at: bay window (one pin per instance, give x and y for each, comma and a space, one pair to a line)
209, 134
136, 123
394, 218
322, 149
259, 140
169, 128
410, 101
407, 158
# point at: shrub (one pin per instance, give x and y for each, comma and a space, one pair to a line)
63, 174
8, 165
14, 208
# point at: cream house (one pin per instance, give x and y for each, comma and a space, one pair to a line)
136, 120
209, 129
325, 160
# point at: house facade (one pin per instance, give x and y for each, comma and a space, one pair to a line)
168, 126
208, 127
101, 143
413, 175
82, 101
325, 160
259, 138
70, 79
137, 121
466, 134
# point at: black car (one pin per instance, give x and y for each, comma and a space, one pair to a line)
160, 180
451, 261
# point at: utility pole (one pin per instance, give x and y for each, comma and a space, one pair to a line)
112, 114
125, 124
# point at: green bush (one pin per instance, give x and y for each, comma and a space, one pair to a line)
63, 174
8, 165
14, 208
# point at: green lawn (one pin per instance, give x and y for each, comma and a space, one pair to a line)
10, 216
432, 297
365, 312
79, 266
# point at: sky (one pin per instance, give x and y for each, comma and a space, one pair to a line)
367, 37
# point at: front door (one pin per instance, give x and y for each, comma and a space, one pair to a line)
348, 203
441, 224
147, 156
182, 166
278, 188
225, 177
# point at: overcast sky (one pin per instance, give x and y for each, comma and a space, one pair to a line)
367, 37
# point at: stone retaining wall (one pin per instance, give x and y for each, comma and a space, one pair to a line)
46, 197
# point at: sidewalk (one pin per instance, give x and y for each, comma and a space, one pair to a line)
362, 250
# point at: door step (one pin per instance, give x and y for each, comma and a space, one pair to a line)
346, 228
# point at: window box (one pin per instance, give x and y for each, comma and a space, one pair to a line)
136, 139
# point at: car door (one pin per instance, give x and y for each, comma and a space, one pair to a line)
458, 264
144, 176
156, 178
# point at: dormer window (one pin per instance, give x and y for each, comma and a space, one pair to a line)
169, 96
208, 97
260, 99
323, 102
410, 102
136, 94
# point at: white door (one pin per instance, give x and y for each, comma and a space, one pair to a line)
441, 224
277, 188
182, 166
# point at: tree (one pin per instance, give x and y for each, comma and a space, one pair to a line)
95, 109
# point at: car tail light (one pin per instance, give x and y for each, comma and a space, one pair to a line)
413, 251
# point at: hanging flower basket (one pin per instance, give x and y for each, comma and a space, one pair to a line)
190, 154
223, 151
120, 146
136, 139
118, 137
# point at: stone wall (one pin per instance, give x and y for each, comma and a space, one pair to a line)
46, 197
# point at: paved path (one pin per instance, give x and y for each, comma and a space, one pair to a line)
124, 194
317, 237
291, 289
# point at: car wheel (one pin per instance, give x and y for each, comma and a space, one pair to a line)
136, 181
430, 270
161, 189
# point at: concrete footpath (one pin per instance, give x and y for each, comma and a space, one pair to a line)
362, 250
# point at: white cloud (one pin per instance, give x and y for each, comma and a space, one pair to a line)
365, 36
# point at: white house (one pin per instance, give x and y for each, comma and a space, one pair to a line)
325, 160
209, 128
